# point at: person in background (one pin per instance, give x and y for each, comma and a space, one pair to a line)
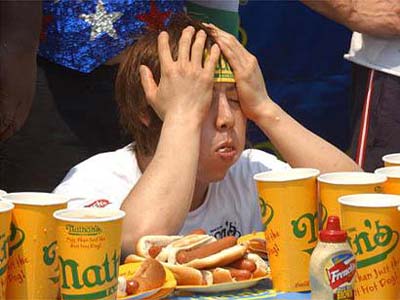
187, 113
375, 54
19, 39
74, 115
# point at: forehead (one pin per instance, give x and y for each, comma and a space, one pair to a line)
224, 86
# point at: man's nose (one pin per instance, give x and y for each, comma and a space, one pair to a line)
225, 118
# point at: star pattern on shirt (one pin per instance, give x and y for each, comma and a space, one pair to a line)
154, 18
101, 21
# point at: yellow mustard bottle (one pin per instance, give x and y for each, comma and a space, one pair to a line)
332, 264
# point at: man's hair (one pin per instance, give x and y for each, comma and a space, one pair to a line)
132, 103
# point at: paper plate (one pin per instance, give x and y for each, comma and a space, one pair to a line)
128, 270
254, 235
221, 287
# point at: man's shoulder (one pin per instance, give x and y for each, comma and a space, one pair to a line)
108, 159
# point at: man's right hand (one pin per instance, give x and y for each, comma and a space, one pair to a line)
185, 86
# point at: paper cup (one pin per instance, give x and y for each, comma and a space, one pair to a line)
288, 202
392, 185
5, 220
391, 160
372, 222
2, 193
333, 185
32, 268
89, 249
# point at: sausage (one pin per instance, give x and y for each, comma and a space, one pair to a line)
258, 245
244, 264
240, 275
131, 286
198, 231
154, 251
185, 256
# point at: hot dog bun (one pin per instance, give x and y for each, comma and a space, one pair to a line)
219, 259
146, 242
150, 275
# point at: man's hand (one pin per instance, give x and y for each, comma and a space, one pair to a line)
185, 85
249, 79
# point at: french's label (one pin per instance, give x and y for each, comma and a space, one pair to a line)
340, 270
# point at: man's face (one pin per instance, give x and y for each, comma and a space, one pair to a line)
223, 134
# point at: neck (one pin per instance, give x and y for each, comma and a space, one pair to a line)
199, 195
200, 188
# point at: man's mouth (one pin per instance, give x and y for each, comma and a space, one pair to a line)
226, 152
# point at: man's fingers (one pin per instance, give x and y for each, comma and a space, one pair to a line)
211, 62
184, 43
148, 83
164, 52
198, 47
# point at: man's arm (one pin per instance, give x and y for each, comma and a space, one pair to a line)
20, 23
161, 199
297, 145
379, 18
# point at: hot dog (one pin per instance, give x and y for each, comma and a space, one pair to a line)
202, 251
258, 246
244, 264
150, 275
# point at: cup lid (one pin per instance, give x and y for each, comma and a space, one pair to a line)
370, 200
351, 178
286, 175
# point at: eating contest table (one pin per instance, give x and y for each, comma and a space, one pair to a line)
261, 291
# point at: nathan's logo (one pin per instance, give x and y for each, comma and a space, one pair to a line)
305, 227
3, 253
377, 239
83, 229
378, 189
49, 256
17, 237
324, 214
267, 212
76, 277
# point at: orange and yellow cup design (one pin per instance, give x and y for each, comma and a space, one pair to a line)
372, 222
89, 250
288, 203
392, 185
331, 186
391, 160
32, 268
5, 220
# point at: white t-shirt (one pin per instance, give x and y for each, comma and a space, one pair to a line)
230, 207
375, 53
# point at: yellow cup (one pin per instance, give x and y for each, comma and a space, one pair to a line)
5, 220
333, 185
32, 268
392, 185
391, 160
89, 249
372, 222
288, 203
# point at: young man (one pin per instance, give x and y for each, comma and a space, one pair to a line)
188, 168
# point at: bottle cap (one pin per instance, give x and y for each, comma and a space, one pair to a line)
333, 233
